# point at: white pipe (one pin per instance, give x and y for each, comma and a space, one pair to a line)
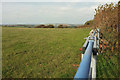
94, 58
82, 56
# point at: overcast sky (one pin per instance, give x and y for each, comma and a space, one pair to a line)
48, 12
59, 0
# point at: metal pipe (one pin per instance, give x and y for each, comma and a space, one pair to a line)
84, 67
83, 70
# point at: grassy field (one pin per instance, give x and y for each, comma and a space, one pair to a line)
49, 53
33, 52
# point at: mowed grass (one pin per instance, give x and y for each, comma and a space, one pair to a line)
41, 53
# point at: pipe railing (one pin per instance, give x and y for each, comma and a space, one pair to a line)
88, 61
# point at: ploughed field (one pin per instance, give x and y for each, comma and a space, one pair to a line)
41, 52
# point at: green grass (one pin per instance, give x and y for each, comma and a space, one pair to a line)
107, 65
41, 53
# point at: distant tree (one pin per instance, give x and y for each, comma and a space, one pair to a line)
64, 26
90, 23
44, 26
40, 26
50, 26
60, 26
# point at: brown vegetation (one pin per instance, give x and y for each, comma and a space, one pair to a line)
44, 26
89, 23
106, 19
63, 26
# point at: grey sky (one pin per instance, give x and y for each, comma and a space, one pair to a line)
59, 0
47, 12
